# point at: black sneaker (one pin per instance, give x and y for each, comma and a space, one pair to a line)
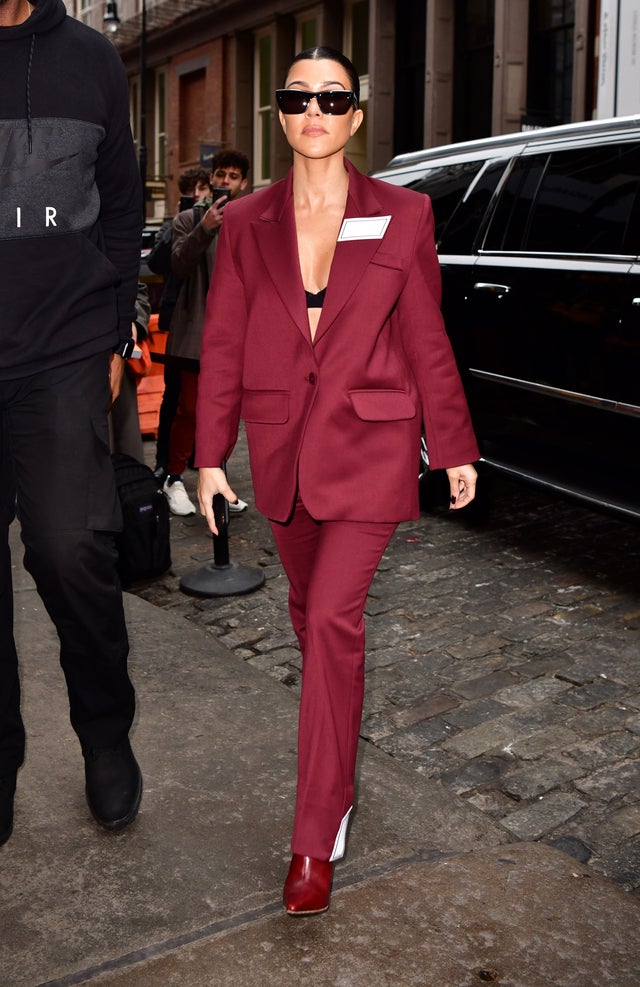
7, 791
114, 785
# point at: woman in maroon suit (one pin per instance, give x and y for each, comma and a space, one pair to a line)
323, 332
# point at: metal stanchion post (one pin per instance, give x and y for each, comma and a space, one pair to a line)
222, 577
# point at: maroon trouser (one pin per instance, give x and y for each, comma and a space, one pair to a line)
183, 428
330, 566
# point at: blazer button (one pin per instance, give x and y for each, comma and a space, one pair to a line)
312, 378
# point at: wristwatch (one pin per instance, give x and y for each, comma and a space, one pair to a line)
125, 348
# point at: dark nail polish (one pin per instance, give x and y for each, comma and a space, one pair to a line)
453, 499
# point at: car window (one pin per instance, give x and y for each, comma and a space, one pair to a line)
579, 201
509, 221
585, 201
446, 185
460, 232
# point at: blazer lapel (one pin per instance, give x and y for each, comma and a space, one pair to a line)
275, 233
351, 257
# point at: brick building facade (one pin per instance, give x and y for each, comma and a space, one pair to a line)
433, 71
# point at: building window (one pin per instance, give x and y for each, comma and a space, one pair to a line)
408, 117
193, 115
550, 74
134, 110
356, 41
160, 164
307, 29
86, 9
263, 102
473, 79
356, 47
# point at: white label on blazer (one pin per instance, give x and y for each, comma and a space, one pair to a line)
364, 228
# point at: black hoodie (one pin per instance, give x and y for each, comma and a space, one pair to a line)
70, 200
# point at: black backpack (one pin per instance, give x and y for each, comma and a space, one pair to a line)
144, 547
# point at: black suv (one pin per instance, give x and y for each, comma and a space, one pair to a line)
538, 235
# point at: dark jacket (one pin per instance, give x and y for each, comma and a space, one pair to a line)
193, 251
70, 201
159, 261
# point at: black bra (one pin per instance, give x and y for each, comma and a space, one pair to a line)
317, 300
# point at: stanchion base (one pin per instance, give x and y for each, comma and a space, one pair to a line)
222, 580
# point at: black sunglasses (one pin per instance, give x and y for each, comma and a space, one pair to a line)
333, 101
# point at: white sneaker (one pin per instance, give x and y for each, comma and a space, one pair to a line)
178, 498
238, 507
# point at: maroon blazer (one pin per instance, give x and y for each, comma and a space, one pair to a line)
340, 418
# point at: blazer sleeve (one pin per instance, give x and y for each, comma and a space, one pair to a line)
221, 357
447, 423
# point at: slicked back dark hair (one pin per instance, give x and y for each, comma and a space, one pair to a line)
332, 55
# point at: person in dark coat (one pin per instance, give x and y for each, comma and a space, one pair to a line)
70, 210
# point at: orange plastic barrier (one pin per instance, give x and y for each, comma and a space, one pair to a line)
151, 387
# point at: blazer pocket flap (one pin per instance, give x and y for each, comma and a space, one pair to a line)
266, 407
385, 258
382, 405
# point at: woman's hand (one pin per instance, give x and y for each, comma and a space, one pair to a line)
211, 481
462, 482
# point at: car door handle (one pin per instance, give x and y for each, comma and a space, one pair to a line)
494, 289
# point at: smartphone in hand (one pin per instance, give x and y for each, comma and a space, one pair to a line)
220, 197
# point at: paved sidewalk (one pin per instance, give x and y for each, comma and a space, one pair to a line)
432, 890
502, 658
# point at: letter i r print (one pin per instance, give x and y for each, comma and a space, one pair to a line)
50, 213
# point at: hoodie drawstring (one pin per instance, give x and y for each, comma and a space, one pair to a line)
29, 128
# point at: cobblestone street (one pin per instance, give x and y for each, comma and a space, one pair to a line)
502, 657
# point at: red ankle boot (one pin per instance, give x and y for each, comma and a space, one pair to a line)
307, 888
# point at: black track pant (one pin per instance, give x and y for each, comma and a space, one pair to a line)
55, 470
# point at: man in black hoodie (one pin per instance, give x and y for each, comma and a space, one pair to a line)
70, 224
